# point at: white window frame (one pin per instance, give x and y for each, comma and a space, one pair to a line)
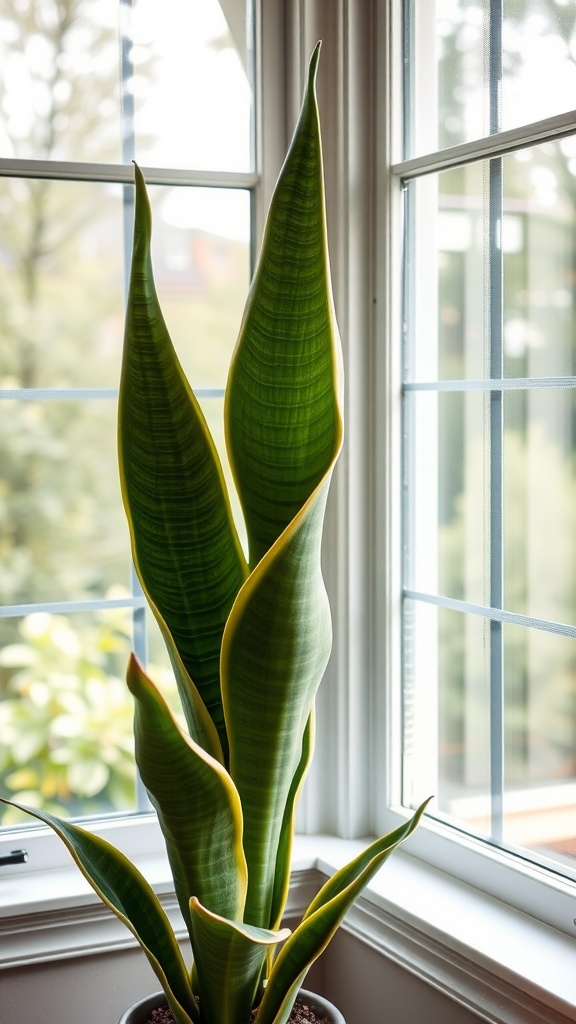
543, 893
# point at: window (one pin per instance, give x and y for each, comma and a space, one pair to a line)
436, 198
487, 190
482, 205
85, 89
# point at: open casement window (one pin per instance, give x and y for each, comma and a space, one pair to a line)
486, 193
84, 90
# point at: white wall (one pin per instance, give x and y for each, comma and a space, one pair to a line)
83, 990
369, 989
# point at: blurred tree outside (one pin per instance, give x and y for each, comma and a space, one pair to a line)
60, 307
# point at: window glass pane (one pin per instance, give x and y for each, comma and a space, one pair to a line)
540, 503
64, 72
63, 534
446, 721
539, 60
451, 262
66, 713
447, 729
489, 428
192, 86
450, 107
171, 84
527, 57
62, 284
59, 94
201, 257
447, 319
540, 261
447, 476
540, 766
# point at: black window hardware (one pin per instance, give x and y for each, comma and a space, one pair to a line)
15, 857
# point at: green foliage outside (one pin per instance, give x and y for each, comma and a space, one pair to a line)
67, 717
66, 722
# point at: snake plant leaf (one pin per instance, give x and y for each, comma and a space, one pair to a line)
283, 858
185, 546
320, 922
125, 890
283, 868
200, 725
359, 871
281, 414
199, 722
274, 652
284, 433
283, 862
197, 804
231, 955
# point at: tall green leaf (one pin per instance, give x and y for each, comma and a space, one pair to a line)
283, 856
198, 720
185, 545
282, 417
274, 652
198, 806
229, 957
284, 432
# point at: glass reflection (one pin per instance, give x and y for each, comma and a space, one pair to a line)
457, 58
451, 265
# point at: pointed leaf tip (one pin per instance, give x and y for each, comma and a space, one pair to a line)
313, 65
133, 662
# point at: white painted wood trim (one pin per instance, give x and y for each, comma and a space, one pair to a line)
91, 928
470, 984
465, 962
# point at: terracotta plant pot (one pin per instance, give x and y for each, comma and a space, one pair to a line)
139, 1012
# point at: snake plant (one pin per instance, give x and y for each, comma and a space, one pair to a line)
249, 638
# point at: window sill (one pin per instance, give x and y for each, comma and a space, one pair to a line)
485, 955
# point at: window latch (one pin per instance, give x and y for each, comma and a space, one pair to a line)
15, 857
